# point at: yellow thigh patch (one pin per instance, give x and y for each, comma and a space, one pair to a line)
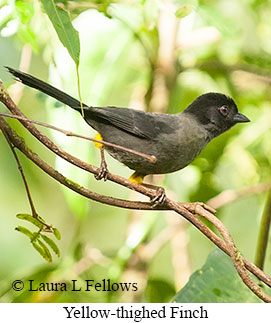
138, 179
97, 144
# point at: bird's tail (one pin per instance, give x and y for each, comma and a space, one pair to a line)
46, 88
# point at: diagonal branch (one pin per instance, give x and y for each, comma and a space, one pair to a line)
187, 210
235, 255
229, 196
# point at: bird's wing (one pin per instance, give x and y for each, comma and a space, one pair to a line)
138, 123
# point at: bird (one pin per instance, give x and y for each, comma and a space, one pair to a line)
174, 139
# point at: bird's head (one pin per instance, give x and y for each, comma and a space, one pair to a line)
216, 112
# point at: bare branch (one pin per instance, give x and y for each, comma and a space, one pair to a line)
187, 210
229, 196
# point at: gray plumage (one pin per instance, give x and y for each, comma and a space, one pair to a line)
174, 139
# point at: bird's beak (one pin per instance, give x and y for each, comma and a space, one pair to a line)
239, 117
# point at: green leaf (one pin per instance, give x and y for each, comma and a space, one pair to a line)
64, 28
216, 282
46, 251
183, 11
31, 219
52, 244
56, 233
42, 252
159, 291
26, 232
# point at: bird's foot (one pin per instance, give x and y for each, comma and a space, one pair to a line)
160, 197
103, 171
192, 207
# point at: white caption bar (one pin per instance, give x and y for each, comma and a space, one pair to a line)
132, 312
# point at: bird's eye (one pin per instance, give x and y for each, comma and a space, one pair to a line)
224, 110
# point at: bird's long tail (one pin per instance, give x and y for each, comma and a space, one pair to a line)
46, 88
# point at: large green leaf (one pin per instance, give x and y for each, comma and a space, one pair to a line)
64, 28
216, 282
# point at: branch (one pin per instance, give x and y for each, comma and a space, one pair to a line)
235, 255
186, 210
229, 196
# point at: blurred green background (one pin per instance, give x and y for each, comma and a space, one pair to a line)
153, 55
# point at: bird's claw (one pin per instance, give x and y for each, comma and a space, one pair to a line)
103, 172
160, 197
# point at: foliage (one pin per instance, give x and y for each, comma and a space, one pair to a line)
63, 26
35, 237
217, 281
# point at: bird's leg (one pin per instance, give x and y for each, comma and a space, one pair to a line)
161, 195
103, 171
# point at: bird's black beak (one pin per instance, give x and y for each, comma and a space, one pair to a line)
239, 117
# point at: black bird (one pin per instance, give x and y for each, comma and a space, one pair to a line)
174, 139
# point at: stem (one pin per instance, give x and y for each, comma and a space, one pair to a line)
263, 234
35, 215
33, 210
79, 90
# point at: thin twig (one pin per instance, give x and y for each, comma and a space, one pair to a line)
229, 196
263, 234
34, 212
151, 158
47, 227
